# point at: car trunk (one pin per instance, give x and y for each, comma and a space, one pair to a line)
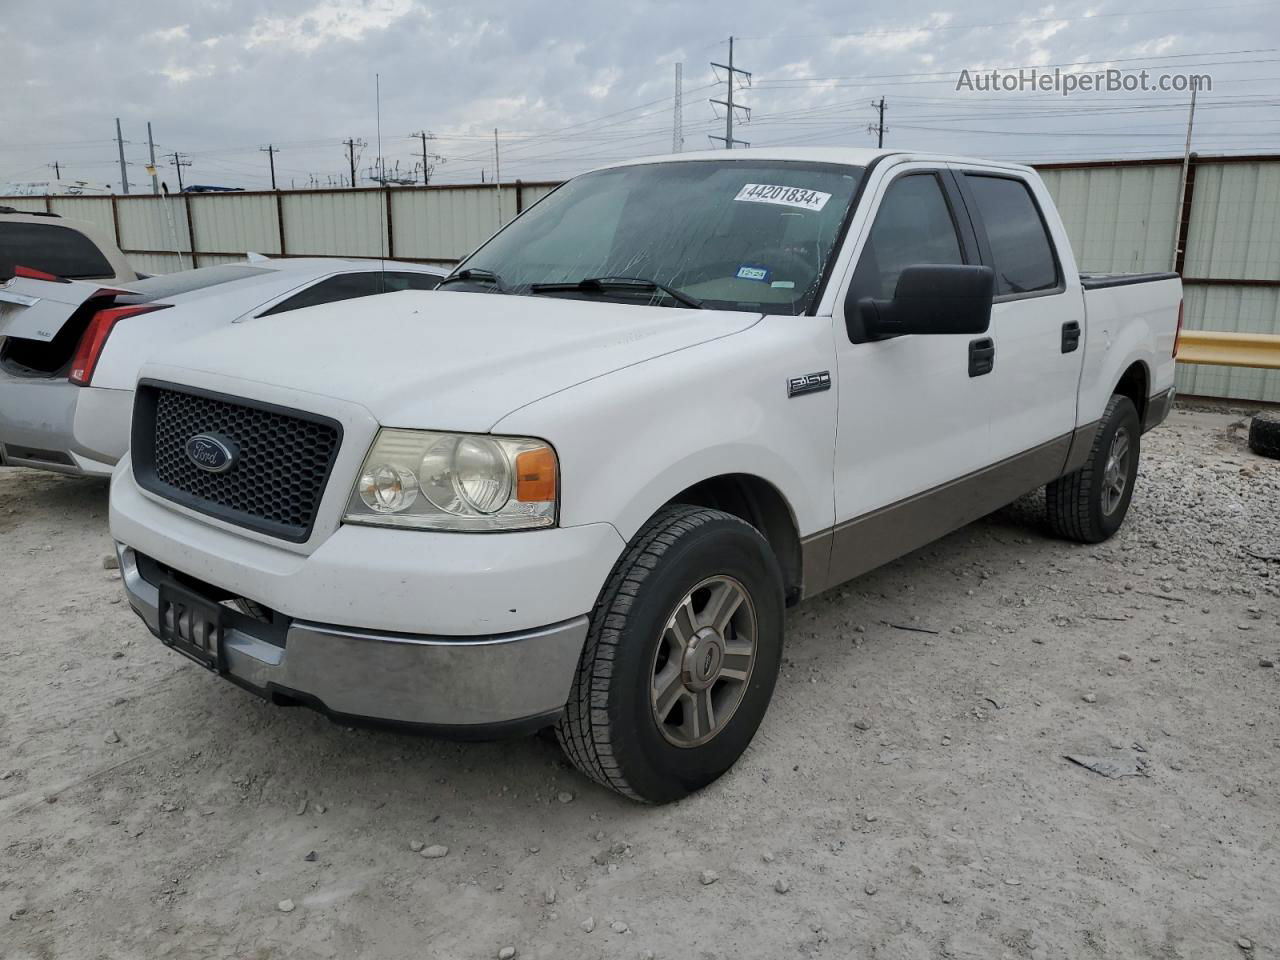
42, 320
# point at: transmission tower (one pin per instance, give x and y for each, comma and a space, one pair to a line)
728, 104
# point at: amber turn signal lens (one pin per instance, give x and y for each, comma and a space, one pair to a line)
536, 476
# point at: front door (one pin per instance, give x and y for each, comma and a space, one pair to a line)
914, 410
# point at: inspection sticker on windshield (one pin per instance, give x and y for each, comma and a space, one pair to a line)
783, 196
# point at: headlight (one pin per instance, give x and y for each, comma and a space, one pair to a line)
455, 481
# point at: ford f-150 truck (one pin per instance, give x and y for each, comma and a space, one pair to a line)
579, 483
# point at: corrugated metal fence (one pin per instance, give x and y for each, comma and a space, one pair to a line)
1120, 215
1127, 216
426, 224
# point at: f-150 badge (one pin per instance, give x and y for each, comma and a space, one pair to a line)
809, 383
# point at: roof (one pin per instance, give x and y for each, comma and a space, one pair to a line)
850, 156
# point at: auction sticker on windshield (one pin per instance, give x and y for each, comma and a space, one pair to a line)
783, 196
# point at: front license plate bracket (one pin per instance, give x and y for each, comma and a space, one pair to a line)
193, 626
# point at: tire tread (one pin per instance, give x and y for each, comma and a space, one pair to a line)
1067, 499
585, 731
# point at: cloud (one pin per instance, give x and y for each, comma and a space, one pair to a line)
571, 85
326, 23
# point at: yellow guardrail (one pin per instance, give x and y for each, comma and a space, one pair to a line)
1230, 349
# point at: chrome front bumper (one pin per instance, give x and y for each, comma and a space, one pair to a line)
469, 686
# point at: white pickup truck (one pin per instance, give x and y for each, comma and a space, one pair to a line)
579, 483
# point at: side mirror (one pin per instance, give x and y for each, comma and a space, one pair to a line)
930, 298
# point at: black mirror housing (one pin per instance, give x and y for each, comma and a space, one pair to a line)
930, 298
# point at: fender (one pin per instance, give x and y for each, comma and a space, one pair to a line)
630, 441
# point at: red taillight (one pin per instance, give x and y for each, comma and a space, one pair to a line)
95, 336
1177, 336
32, 274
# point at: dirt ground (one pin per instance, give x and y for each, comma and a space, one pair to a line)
907, 796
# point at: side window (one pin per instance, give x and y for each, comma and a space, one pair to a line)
345, 286
1021, 251
913, 226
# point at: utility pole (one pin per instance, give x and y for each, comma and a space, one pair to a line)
879, 129
677, 117
429, 160
178, 164
728, 103
1182, 183
151, 146
270, 151
497, 175
57, 169
351, 145
124, 177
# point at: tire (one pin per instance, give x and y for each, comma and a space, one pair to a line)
610, 729
1264, 434
1084, 505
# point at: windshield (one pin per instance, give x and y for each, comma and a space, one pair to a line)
734, 234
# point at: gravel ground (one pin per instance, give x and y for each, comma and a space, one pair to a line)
907, 796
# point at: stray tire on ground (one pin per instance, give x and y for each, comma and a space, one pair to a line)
1264, 434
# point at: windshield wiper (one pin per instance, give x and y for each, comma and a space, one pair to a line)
474, 274
600, 284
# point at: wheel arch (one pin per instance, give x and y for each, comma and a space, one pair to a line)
1135, 383
760, 503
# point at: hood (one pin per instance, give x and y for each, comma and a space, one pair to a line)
447, 361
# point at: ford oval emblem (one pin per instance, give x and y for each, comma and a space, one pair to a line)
212, 452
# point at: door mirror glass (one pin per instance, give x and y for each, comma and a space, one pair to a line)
929, 298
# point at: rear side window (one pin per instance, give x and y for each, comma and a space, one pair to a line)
1021, 251
912, 226
58, 250
348, 286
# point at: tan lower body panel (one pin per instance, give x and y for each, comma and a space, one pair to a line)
864, 543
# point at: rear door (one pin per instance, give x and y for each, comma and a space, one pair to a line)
1037, 316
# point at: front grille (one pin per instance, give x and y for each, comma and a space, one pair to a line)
282, 463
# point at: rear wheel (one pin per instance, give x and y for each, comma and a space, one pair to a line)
1090, 504
681, 658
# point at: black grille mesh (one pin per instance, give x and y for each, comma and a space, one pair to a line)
279, 477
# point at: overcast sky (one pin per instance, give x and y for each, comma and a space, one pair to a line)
572, 85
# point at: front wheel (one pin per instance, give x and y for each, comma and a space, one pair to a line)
1090, 504
681, 658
